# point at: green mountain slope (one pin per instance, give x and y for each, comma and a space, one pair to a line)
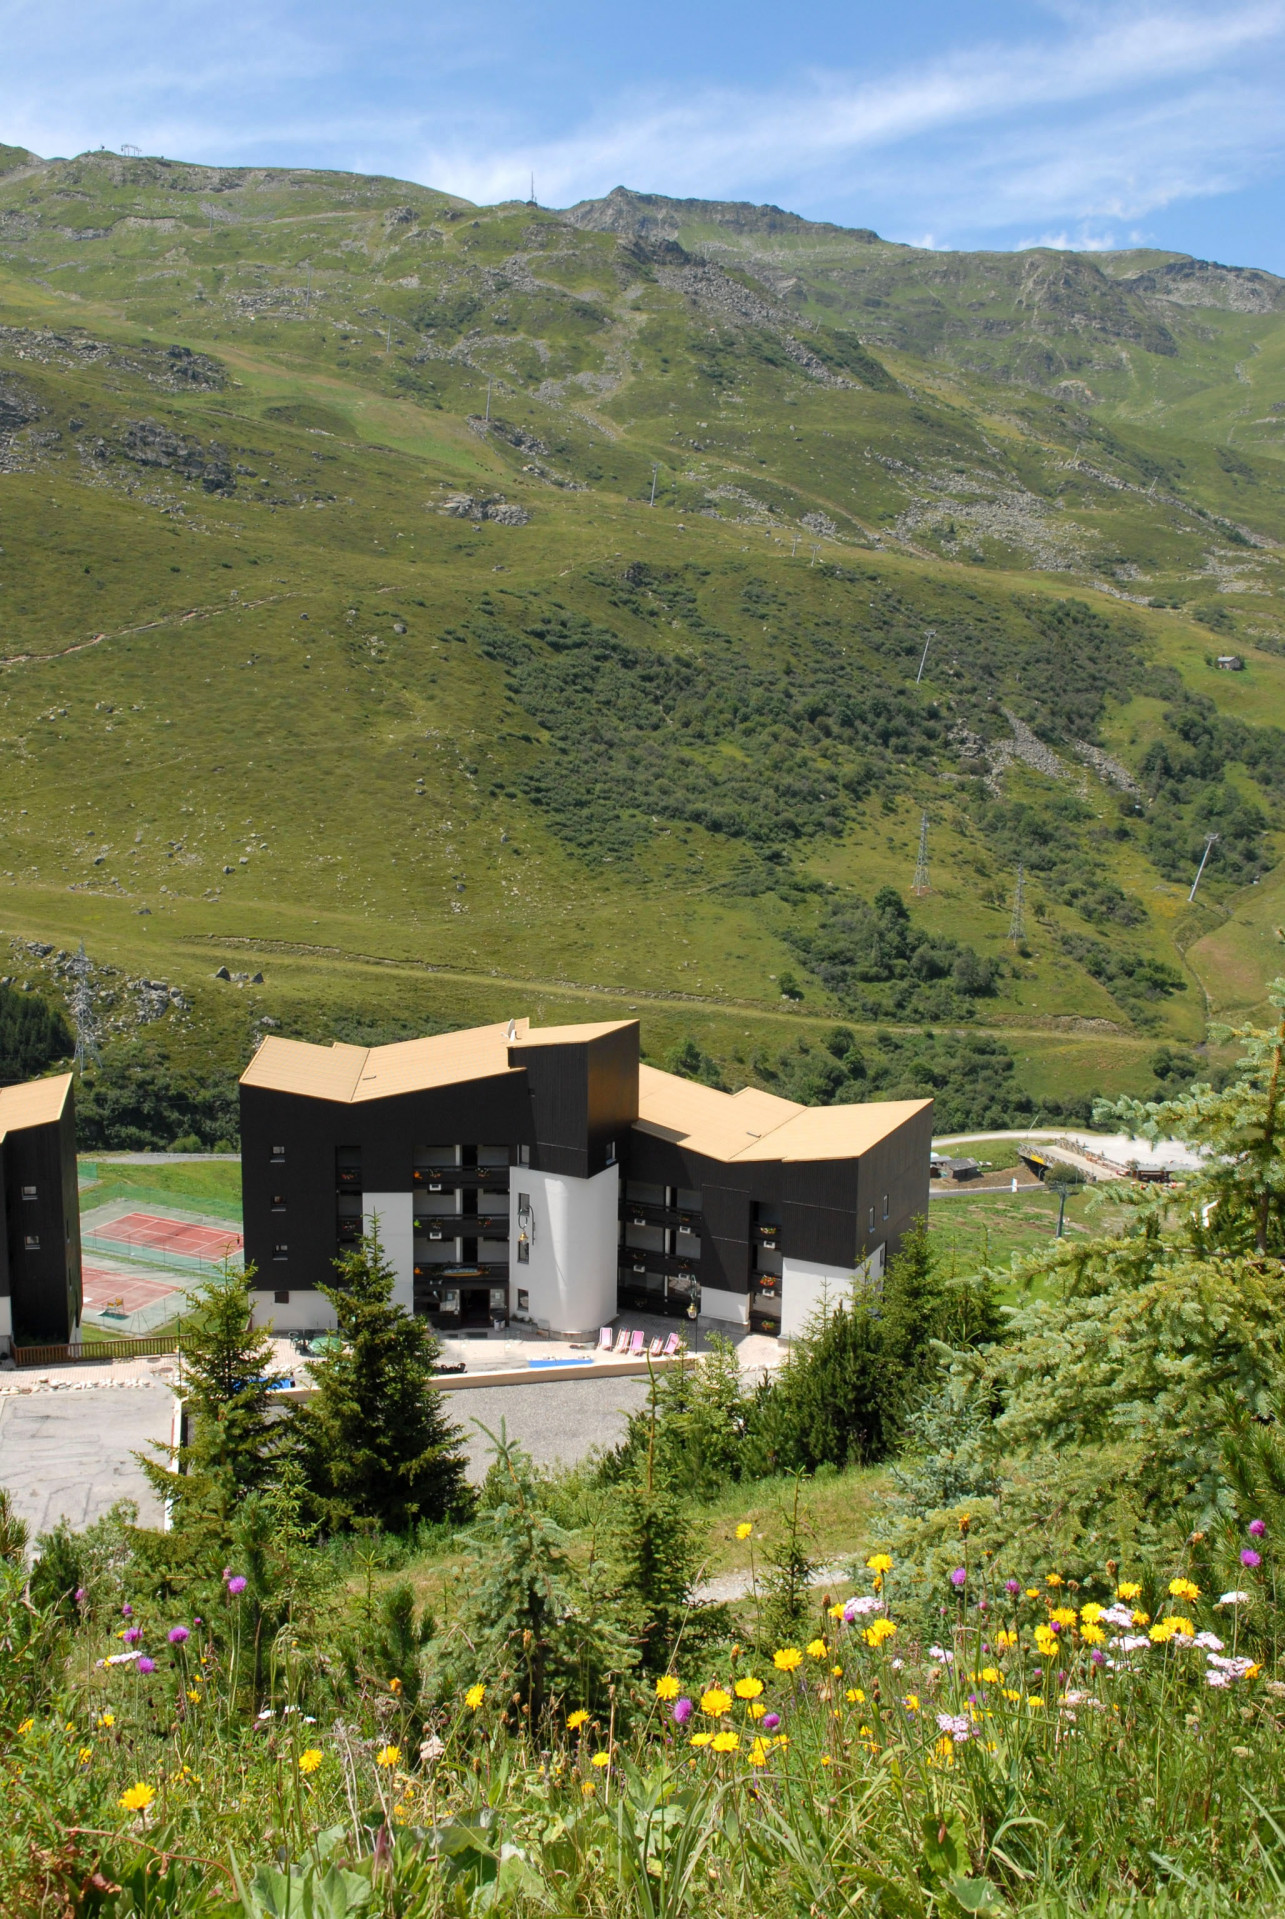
341, 639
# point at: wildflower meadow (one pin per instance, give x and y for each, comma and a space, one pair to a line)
1043, 1671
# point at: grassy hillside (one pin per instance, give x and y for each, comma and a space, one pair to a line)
342, 643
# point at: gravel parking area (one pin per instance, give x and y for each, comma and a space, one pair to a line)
70, 1455
556, 1423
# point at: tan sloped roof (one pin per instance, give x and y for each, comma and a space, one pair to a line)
755, 1125
570, 1035
34, 1104
355, 1073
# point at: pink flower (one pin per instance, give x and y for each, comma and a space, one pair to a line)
177, 1634
770, 1721
958, 1577
1012, 1586
145, 1664
132, 1635
80, 1595
127, 1611
237, 1585
1258, 1527
683, 1710
1250, 1558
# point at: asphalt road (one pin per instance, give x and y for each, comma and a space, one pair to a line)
70, 1455
556, 1423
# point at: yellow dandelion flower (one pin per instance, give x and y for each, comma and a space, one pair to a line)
880, 1562
836, 1611
1034, 1699
1033, 1592
194, 1695
667, 1687
576, 1719
836, 1672
816, 1649
758, 1752
749, 1687
911, 1702
1006, 1639
855, 1696
104, 1719
1091, 1613
725, 1741
310, 1760
1046, 1640
403, 1814
137, 1798
700, 1739
744, 1530
1142, 1618
878, 1631
990, 1676
588, 1787
1013, 1698
26, 1725
85, 1754
1128, 1589
1063, 1615
474, 1696
785, 1659
1053, 1579
716, 1702
1183, 1589
757, 1709
388, 1756
394, 1685
601, 1759
1093, 1635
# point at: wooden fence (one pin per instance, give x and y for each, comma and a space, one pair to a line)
103, 1349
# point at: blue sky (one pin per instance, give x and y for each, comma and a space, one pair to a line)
988, 125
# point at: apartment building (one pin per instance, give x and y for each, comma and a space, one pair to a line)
548, 1175
40, 1281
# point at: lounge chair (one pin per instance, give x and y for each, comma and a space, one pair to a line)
672, 1344
605, 1339
654, 1350
622, 1340
637, 1344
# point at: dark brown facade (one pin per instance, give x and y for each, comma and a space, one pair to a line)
40, 1273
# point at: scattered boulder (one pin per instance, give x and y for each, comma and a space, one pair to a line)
222, 973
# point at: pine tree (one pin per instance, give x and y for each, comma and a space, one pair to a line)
226, 1364
655, 1554
375, 1439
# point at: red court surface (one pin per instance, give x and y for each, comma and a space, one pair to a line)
123, 1290
171, 1236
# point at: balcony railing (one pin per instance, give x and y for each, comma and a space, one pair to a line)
475, 1273
637, 1260
636, 1212
467, 1179
766, 1233
462, 1225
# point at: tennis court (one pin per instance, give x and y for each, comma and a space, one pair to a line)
123, 1292
186, 1239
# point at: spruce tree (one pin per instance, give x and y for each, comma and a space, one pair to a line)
226, 1364
375, 1439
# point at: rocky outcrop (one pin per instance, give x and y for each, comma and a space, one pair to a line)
149, 444
463, 506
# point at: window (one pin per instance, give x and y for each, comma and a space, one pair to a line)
524, 1300
32, 1242
29, 1192
281, 1252
611, 1152
281, 1299
278, 1156
885, 1205
524, 1252
524, 1156
872, 1219
278, 1202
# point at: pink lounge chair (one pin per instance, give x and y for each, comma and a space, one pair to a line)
605, 1339
654, 1350
637, 1343
622, 1340
672, 1344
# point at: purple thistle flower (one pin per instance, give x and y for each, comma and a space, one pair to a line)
1012, 1586
683, 1710
770, 1721
80, 1595
177, 1634
237, 1585
132, 1635
127, 1611
198, 1621
1250, 1558
1098, 1657
958, 1577
146, 1665
1258, 1527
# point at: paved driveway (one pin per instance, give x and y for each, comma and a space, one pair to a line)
70, 1455
556, 1423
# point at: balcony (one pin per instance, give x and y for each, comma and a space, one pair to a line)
636, 1260
348, 1178
766, 1233
462, 1225
461, 1179
635, 1212
480, 1272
